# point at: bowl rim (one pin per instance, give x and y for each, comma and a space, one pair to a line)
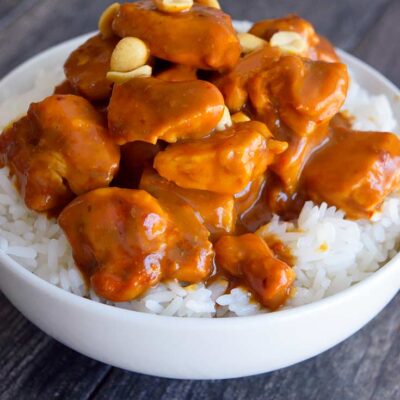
194, 322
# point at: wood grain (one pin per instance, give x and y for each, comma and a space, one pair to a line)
380, 46
366, 366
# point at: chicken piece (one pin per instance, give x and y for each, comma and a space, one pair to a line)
285, 89
149, 109
318, 47
190, 254
119, 240
178, 73
216, 210
249, 257
233, 84
296, 98
60, 149
87, 67
37, 175
355, 171
223, 163
280, 250
201, 37
71, 126
65, 87
125, 241
300, 93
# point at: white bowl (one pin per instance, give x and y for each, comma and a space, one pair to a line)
193, 348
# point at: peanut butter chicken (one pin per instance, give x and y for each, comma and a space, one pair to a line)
174, 139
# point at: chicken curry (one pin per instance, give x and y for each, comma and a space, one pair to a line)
174, 139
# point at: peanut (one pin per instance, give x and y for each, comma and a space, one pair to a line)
106, 20
122, 77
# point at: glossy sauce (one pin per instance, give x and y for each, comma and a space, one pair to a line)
60, 149
276, 195
225, 163
150, 109
355, 171
87, 66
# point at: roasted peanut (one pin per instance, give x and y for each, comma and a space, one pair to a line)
173, 6
106, 20
277, 146
122, 77
290, 42
240, 117
130, 53
225, 121
250, 43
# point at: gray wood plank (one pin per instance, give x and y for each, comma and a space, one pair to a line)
11, 9
6, 6
34, 366
380, 44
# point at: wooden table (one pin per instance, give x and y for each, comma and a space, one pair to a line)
366, 366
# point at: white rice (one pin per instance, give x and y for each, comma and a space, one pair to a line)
331, 253
372, 113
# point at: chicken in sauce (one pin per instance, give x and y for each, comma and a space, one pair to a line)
142, 242
248, 256
149, 109
59, 150
126, 255
224, 163
216, 131
216, 211
201, 37
87, 67
298, 93
367, 170
317, 47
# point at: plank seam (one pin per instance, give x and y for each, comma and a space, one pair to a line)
96, 390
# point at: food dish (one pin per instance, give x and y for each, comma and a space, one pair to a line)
147, 139
253, 369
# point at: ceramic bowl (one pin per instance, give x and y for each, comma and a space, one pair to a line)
194, 348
